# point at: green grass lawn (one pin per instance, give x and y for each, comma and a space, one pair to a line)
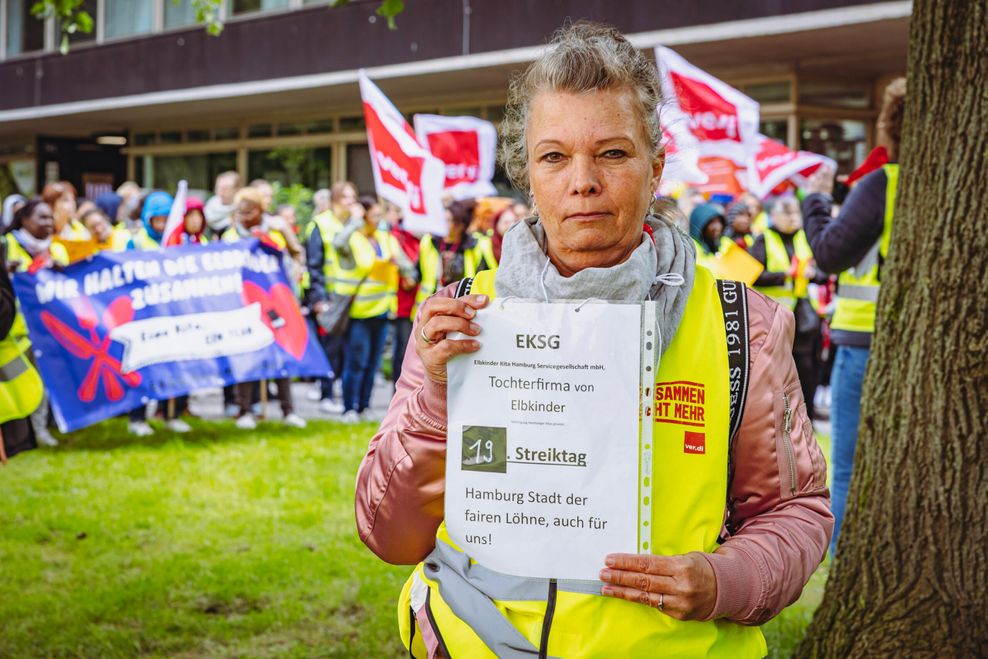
227, 543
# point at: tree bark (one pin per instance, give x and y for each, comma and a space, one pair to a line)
911, 575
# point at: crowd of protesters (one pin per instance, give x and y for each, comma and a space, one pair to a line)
354, 255
361, 274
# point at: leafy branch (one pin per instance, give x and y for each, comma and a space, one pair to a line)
73, 19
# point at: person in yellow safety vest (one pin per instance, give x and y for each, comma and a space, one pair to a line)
756, 211
21, 390
586, 146
854, 245
739, 225
61, 196
456, 256
27, 245
789, 269
707, 225
320, 262
114, 238
369, 264
248, 221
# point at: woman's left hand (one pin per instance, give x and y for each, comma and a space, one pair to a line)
682, 586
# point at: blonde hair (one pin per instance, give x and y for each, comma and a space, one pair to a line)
890, 118
582, 57
253, 195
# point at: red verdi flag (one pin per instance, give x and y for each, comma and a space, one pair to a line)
405, 172
467, 146
175, 226
774, 163
722, 119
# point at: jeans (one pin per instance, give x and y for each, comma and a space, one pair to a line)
403, 330
364, 348
845, 412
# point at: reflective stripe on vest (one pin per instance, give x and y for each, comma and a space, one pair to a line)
372, 297
777, 260
14, 252
21, 389
328, 226
857, 288
472, 611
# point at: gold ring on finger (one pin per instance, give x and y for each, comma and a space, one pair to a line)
425, 337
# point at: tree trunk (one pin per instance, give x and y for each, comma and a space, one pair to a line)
911, 576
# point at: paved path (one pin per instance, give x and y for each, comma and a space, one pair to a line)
208, 403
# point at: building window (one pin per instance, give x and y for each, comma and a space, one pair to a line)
126, 17
287, 165
179, 14
841, 139
200, 170
248, 6
777, 129
359, 168
25, 32
769, 92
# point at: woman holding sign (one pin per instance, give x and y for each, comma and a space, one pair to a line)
741, 510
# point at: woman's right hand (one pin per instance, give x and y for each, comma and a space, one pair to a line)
439, 316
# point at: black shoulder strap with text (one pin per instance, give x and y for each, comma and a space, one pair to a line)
464, 287
734, 303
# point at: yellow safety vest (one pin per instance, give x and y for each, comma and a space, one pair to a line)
704, 256
143, 240
75, 230
373, 279
21, 389
759, 224
857, 288
18, 331
777, 260
430, 265
120, 239
476, 612
231, 235
328, 226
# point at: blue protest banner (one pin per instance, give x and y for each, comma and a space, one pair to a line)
122, 328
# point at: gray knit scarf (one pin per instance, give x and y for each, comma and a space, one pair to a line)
662, 271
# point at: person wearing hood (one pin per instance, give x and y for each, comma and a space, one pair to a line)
110, 203
581, 135
194, 227
154, 218
27, 245
707, 225
10, 206
739, 225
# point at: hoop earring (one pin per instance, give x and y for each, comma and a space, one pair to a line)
651, 206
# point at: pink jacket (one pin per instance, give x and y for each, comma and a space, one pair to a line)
782, 526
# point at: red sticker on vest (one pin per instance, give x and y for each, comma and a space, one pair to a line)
694, 442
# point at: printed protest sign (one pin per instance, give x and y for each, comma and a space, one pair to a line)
122, 328
542, 458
